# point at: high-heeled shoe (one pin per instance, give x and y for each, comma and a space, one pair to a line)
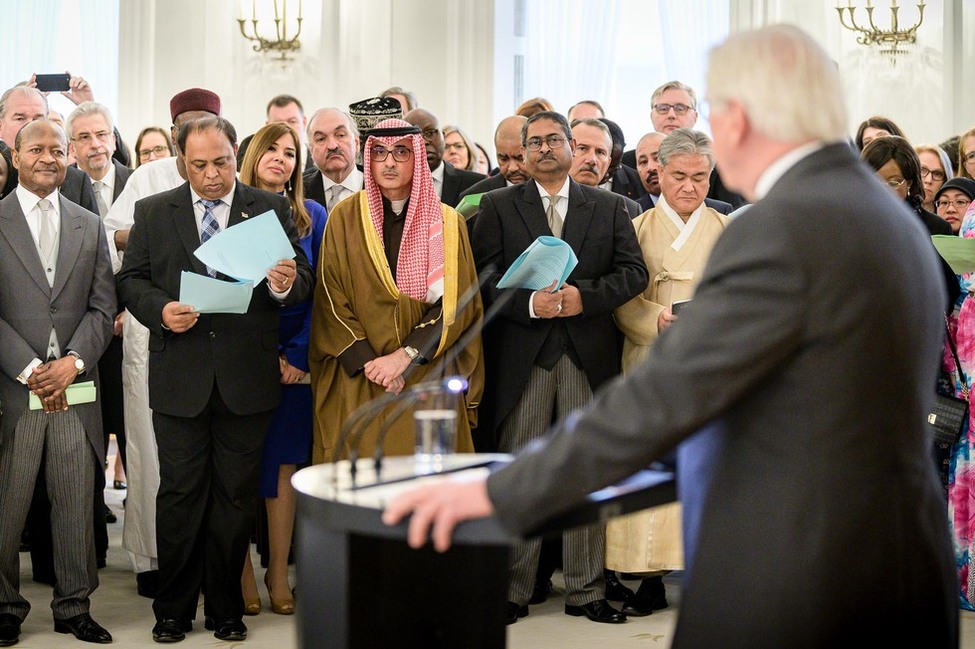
283, 606
252, 601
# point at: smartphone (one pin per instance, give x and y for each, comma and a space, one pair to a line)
52, 82
678, 305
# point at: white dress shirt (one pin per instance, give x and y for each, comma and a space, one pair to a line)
561, 208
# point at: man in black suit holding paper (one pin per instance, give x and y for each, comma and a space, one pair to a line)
214, 380
551, 349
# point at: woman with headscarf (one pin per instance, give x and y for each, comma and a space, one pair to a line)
394, 265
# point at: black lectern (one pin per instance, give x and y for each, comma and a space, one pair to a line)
360, 585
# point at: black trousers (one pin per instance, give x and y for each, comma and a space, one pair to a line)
209, 467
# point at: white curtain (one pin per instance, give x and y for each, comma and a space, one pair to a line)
52, 36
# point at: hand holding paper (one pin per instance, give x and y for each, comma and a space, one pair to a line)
247, 250
546, 259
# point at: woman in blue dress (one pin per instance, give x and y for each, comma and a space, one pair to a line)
273, 163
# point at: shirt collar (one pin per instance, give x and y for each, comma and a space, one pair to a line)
28, 200
228, 199
350, 182
109, 179
675, 217
777, 169
563, 191
438, 173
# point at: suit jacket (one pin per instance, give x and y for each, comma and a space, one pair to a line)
456, 181
488, 184
122, 174
315, 185
719, 192
610, 272
648, 201
784, 359
77, 189
80, 306
626, 182
240, 352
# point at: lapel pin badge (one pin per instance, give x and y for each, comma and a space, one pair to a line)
245, 215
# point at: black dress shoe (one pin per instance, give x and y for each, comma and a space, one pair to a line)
649, 597
543, 588
598, 611
615, 590
84, 628
231, 629
513, 612
110, 516
9, 629
171, 630
118, 484
147, 583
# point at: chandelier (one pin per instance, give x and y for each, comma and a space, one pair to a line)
277, 40
889, 40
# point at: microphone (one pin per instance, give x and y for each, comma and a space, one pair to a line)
451, 355
352, 433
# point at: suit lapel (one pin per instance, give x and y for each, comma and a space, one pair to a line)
69, 246
15, 231
577, 217
529, 206
184, 218
242, 207
122, 174
451, 184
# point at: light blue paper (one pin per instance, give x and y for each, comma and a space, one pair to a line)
208, 295
247, 250
547, 259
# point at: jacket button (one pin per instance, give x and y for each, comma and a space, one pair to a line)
213, 334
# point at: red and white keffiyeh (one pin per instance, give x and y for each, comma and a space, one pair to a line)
420, 267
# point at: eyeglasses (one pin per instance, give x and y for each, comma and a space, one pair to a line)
959, 203
430, 133
400, 153
679, 109
935, 174
87, 138
553, 142
894, 184
156, 150
969, 158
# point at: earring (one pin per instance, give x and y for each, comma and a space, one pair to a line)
287, 185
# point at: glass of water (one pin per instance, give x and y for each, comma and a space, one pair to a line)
435, 421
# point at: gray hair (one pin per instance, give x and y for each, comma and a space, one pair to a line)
84, 109
348, 118
685, 141
942, 155
674, 85
27, 90
787, 84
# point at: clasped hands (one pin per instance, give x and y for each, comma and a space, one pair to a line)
387, 370
564, 303
49, 381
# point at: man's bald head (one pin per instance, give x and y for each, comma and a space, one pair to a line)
507, 144
40, 156
433, 140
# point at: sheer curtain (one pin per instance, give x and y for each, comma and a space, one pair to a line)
49, 36
615, 52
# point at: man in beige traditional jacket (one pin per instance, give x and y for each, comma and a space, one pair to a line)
676, 237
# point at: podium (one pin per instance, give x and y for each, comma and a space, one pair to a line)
361, 585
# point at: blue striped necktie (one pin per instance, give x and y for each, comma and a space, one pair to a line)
210, 226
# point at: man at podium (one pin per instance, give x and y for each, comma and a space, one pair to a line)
823, 522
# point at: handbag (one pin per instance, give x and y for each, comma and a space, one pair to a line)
948, 414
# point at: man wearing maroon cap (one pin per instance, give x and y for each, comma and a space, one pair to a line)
142, 464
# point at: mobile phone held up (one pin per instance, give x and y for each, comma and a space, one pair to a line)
678, 305
53, 82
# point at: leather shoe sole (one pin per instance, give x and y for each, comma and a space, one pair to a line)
598, 611
83, 628
171, 630
9, 629
231, 629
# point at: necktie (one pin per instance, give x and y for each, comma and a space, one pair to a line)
47, 235
334, 192
554, 220
210, 227
99, 199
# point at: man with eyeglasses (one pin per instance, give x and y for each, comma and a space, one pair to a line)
394, 263
91, 139
449, 181
551, 349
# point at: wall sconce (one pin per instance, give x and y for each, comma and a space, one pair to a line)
890, 39
279, 41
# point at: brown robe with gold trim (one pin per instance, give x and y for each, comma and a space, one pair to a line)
356, 299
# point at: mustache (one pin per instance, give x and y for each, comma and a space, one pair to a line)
591, 168
335, 151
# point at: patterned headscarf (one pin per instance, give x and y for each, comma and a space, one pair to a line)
420, 267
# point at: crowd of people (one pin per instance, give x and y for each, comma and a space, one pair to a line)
373, 301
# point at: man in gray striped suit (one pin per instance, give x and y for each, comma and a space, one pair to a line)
57, 305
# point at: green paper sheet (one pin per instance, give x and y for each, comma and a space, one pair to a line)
958, 252
76, 393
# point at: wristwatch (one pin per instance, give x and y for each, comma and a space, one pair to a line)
78, 363
412, 352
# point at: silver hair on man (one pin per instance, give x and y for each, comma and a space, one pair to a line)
685, 141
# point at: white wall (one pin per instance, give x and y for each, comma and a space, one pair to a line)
924, 92
442, 50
